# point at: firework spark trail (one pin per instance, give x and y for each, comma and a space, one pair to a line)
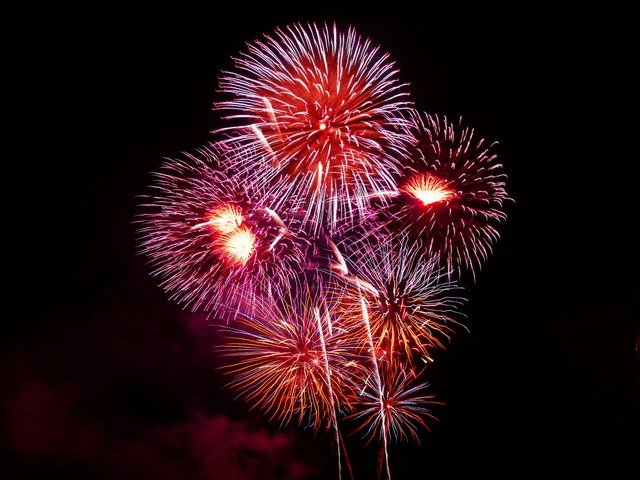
378, 386
325, 115
334, 416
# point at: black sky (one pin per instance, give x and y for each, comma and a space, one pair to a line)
101, 373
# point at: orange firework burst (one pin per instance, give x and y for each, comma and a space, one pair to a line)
325, 109
404, 298
289, 360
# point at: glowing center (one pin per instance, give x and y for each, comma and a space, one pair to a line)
392, 308
238, 246
428, 189
226, 219
322, 125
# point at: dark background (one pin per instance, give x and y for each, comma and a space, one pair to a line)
102, 377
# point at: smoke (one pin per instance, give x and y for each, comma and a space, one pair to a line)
47, 432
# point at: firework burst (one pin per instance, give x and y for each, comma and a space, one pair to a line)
289, 359
408, 298
398, 408
208, 237
451, 196
323, 110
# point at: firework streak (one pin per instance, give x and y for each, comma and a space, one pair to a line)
324, 228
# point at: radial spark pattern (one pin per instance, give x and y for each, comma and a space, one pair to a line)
398, 408
208, 237
451, 196
411, 306
324, 110
288, 359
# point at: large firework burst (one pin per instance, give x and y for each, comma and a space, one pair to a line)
451, 196
324, 110
209, 237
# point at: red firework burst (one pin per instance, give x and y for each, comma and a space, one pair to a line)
452, 195
207, 237
324, 112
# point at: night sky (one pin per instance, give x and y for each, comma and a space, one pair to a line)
103, 377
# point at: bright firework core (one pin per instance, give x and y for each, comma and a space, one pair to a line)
428, 188
237, 247
225, 219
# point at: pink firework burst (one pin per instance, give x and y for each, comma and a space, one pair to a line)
452, 195
324, 111
208, 237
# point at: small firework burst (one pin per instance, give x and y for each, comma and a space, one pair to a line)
323, 111
289, 360
396, 409
451, 196
207, 237
408, 299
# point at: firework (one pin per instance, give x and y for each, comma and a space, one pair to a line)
327, 222
289, 359
451, 195
398, 408
409, 300
208, 237
323, 111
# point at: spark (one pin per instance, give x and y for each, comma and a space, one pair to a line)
224, 219
428, 189
237, 246
378, 384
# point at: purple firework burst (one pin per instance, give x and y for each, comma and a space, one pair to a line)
209, 237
